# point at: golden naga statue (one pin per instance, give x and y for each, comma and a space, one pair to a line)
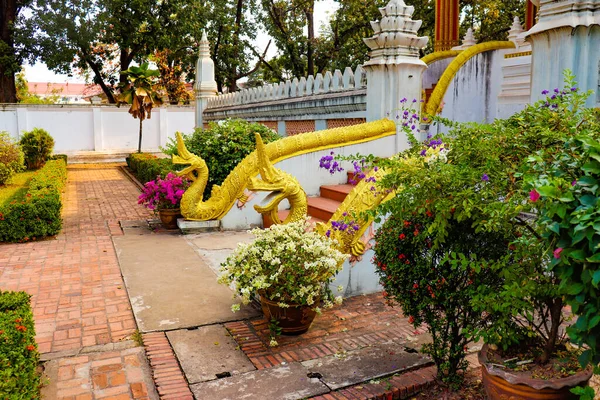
281, 185
362, 198
223, 197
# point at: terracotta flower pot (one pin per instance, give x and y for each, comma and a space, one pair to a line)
293, 320
504, 384
168, 217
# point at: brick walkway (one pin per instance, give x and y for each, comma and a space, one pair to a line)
79, 298
360, 322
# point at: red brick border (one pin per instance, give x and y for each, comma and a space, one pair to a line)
394, 388
168, 376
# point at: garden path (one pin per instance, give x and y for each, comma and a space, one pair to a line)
82, 313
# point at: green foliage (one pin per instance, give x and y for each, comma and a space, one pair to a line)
146, 167
38, 213
437, 285
37, 146
141, 91
63, 157
11, 157
486, 181
566, 174
18, 351
24, 96
223, 145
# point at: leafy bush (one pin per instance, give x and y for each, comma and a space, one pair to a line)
37, 145
146, 167
530, 182
222, 146
38, 214
18, 352
59, 157
11, 157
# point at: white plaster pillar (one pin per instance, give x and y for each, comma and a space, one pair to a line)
205, 86
97, 128
22, 123
468, 40
394, 70
567, 36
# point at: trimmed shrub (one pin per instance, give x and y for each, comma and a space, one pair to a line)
37, 145
18, 352
11, 158
146, 167
223, 145
59, 157
38, 214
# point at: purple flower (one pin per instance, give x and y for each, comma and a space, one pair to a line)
574, 89
545, 92
423, 152
404, 100
553, 97
328, 233
485, 178
574, 183
414, 100
557, 90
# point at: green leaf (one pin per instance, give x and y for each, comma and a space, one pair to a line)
593, 322
596, 278
578, 255
595, 258
574, 289
592, 167
588, 200
554, 227
547, 191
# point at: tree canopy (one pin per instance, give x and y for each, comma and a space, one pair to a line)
102, 38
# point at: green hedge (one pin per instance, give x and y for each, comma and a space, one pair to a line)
147, 167
38, 213
59, 157
18, 352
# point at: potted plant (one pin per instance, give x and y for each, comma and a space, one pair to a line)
291, 268
456, 193
163, 196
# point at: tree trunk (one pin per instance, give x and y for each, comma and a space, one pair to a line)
555, 306
140, 140
8, 63
311, 38
239, 14
124, 61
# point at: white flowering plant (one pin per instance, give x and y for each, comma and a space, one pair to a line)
287, 264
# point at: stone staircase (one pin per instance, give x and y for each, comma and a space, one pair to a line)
321, 208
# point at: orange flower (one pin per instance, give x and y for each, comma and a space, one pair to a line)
31, 347
21, 328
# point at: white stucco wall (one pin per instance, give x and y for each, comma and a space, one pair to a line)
77, 128
472, 96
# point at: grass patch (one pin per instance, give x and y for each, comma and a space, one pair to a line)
15, 188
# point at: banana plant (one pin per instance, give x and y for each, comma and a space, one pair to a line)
141, 92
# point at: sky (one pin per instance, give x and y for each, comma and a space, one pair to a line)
40, 73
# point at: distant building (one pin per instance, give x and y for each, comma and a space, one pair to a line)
68, 93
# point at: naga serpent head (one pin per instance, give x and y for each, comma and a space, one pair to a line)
281, 185
184, 156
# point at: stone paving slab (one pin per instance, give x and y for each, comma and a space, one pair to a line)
170, 287
214, 248
285, 382
207, 351
364, 365
121, 374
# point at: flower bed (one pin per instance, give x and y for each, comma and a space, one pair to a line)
18, 352
146, 167
37, 213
